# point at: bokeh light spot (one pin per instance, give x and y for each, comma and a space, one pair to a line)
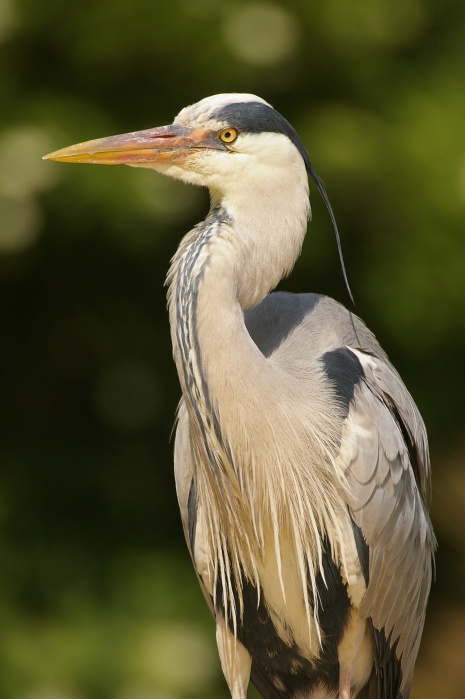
7, 19
22, 170
52, 693
178, 657
19, 224
261, 33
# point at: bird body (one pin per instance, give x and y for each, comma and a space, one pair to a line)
301, 460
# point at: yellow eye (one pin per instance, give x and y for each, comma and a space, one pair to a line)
228, 135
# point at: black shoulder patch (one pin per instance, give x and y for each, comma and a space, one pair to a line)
344, 371
278, 316
256, 117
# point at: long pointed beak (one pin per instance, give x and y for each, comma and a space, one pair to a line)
163, 144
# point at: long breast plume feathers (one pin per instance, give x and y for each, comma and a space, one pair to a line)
235, 525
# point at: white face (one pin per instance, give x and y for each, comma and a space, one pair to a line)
201, 147
247, 161
253, 165
253, 161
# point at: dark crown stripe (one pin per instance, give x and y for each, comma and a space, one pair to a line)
256, 117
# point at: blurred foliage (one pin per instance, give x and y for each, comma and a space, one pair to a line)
97, 596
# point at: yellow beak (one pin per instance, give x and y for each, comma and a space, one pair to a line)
171, 143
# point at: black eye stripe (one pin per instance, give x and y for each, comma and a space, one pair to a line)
256, 117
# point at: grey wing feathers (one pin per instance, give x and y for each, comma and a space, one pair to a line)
386, 464
185, 487
184, 472
388, 472
403, 409
387, 503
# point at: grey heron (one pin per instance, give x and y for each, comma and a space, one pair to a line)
301, 461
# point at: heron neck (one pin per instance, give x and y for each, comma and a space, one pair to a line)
224, 265
242, 407
206, 304
263, 225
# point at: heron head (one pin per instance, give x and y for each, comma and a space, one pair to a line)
217, 142
234, 144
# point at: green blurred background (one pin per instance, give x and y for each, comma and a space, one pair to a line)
97, 596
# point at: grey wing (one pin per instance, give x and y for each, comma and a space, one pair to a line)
183, 475
185, 488
389, 482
